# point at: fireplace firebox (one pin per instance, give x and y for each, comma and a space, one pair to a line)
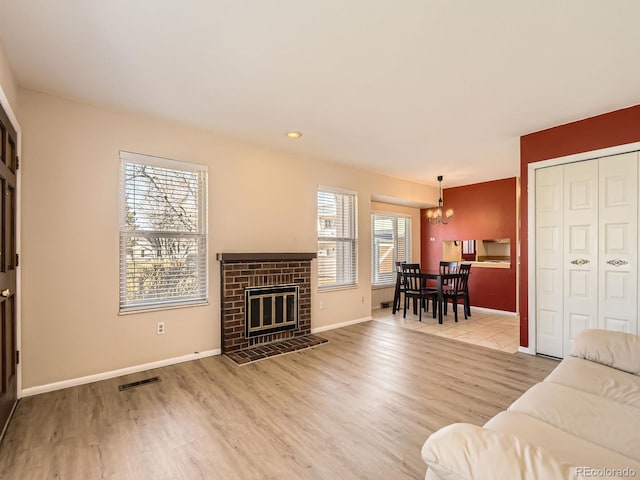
270, 309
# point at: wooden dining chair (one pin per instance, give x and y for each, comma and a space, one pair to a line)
456, 290
448, 267
414, 288
445, 268
399, 287
409, 268
467, 303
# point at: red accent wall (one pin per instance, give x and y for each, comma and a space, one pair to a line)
607, 130
481, 211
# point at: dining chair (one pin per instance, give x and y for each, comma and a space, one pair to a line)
399, 287
467, 303
409, 268
414, 288
448, 267
445, 268
456, 290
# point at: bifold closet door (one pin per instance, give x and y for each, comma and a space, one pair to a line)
586, 250
549, 260
580, 250
618, 252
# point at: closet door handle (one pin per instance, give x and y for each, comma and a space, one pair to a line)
580, 261
616, 262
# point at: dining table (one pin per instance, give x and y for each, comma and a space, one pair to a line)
441, 280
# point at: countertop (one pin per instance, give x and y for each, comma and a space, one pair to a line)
490, 264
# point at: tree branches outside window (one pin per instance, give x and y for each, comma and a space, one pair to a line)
163, 235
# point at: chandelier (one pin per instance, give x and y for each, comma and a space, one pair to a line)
434, 215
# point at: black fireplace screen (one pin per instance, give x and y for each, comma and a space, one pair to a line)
270, 309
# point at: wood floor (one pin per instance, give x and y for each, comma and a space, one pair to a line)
359, 407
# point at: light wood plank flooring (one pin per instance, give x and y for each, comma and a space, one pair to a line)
359, 407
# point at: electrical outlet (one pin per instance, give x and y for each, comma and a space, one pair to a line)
363, 299
160, 328
321, 305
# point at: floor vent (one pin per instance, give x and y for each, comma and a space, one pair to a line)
139, 383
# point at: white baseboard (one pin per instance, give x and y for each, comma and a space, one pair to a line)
340, 325
492, 310
73, 382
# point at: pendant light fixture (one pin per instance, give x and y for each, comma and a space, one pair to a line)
435, 215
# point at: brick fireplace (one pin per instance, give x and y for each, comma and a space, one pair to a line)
243, 274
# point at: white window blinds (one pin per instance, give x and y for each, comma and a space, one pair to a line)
163, 233
337, 238
390, 243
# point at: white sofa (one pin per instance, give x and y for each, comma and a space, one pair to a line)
582, 421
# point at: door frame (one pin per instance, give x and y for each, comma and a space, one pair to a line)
4, 102
531, 221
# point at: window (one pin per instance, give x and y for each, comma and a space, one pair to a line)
337, 238
390, 243
163, 233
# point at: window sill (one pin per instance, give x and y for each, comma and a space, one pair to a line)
337, 288
382, 286
132, 310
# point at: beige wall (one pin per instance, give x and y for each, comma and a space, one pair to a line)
7, 81
259, 201
379, 295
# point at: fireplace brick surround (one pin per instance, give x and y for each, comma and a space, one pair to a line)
239, 271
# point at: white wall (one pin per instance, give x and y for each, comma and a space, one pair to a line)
8, 81
259, 201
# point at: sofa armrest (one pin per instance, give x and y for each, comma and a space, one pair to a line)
614, 349
463, 451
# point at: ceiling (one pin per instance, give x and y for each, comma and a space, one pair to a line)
408, 88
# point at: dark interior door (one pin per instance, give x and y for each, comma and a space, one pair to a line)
8, 263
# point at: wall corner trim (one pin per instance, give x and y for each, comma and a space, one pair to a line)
73, 382
526, 350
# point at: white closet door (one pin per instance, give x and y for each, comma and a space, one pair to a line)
618, 265
580, 262
549, 260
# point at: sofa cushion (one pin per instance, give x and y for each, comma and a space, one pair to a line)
598, 379
595, 419
463, 451
614, 349
565, 446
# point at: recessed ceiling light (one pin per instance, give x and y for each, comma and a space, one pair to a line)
294, 134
